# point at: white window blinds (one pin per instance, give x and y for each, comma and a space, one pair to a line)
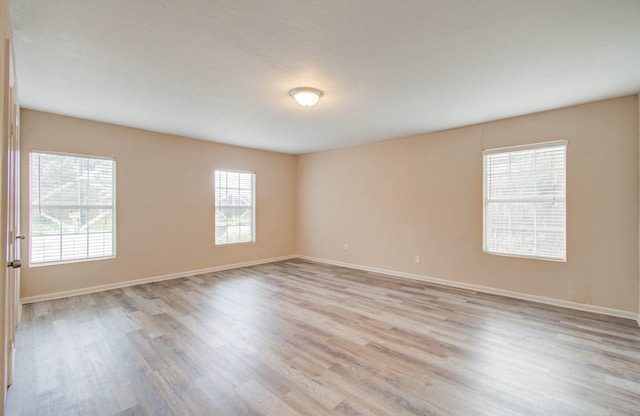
524, 201
72, 207
235, 207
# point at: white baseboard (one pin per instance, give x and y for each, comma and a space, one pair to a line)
485, 289
94, 289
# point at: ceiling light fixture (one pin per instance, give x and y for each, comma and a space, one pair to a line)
306, 96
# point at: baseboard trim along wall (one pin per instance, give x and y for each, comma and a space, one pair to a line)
485, 289
118, 285
477, 288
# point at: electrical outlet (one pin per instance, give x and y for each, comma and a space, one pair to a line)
346, 246
417, 259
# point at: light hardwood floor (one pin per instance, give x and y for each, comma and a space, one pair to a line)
298, 338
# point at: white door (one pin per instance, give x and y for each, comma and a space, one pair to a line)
12, 285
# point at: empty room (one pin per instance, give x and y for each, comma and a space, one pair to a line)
320, 208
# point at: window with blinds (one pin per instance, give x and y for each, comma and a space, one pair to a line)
524, 201
72, 207
235, 207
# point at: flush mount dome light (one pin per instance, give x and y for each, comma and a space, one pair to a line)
306, 96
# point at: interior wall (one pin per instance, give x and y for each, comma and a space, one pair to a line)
389, 201
164, 202
422, 196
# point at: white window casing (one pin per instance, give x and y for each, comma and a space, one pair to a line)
235, 207
524, 199
71, 207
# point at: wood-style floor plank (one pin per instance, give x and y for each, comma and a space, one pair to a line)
300, 338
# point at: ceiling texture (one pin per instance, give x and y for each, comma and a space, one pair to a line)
221, 70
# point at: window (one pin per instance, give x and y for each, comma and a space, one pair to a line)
72, 210
524, 201
235, 207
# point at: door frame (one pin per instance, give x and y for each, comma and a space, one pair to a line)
11, 281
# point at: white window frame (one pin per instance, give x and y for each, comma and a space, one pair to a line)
221, 191
536, 203
66, 258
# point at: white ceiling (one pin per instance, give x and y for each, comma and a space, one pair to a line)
221, 70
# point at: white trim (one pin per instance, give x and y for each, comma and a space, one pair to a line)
110, 286
82, 155
253, 205
485, 289
638, 317
477, 288
111, 206
518, 148
489, 178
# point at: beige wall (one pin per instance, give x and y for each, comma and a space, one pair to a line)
422, 196
390, 201
165, 203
